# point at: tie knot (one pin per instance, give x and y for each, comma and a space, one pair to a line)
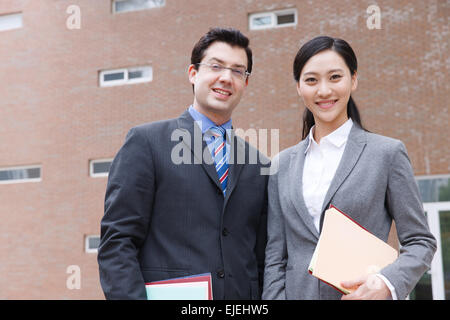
217, 131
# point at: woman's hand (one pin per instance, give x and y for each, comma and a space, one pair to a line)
369, 287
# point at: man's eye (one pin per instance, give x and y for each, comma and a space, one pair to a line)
216, 67
310, 80
239, 72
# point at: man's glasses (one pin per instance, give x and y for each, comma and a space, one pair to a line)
237, 72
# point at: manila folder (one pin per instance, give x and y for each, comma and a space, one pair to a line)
346, 251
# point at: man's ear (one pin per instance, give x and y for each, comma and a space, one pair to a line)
192, 73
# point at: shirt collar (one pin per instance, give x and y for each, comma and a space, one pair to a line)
337, 138
206, 123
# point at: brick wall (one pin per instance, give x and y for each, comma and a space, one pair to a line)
54, 113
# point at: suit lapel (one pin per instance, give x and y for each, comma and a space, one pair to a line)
355, 146
235, 165
197, 146
295, 186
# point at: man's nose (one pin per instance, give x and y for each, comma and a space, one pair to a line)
226, 75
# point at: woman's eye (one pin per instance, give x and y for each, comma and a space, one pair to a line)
310, 80
336, 76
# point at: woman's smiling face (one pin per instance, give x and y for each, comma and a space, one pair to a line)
325, 86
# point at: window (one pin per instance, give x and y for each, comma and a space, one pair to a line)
434, 188
135, 5
91, 244
20, 174
273, 19
11, 21
99, 168
120, 77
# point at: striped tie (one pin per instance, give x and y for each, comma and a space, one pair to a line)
219, 155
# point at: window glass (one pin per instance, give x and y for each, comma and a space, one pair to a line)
92, 243
434, 189
101, 167
140, 73
114, 76
262, 21
26, 173
444, 220
10, 21
286, 18
117, 77
272, 19
134, 5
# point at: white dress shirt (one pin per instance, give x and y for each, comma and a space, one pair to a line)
321, 163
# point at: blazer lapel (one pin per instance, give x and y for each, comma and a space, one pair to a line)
295, 186
355, 145
235, 166
186, 123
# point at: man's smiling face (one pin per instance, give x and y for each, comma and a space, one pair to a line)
216, 94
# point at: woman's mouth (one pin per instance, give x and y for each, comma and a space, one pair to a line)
326, 104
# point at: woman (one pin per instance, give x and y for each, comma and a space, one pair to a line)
338, 162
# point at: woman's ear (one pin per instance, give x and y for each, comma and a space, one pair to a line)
354, 81
298, 88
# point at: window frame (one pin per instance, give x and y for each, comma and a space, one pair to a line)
91, 168
433, 176
87, 249
125, 80
274, 15
15, 26
139, 80
25, 180
114, 11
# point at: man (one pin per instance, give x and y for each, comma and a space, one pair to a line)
166, 218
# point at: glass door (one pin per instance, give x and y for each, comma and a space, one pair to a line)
444, 220
435, 284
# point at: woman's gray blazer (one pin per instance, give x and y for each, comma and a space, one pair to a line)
374, 184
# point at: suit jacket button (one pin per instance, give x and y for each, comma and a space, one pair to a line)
225, 232
221, 274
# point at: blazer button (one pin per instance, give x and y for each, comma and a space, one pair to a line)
220, 274
225, 232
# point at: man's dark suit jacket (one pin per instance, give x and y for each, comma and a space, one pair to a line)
165, 220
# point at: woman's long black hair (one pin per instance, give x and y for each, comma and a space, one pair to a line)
310, 49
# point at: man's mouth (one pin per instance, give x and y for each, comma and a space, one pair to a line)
222, 91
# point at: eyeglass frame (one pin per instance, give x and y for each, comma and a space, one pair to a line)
222, 68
